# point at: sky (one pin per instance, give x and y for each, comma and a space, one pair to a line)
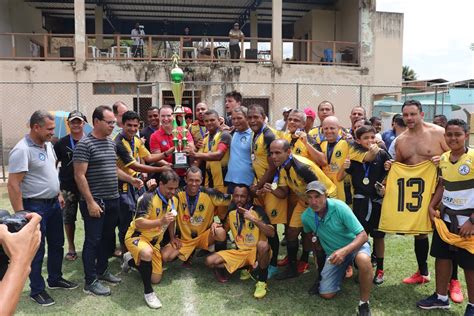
437, 36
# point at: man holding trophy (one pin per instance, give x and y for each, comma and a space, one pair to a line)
170, 134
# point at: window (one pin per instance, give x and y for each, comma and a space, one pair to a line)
121, 88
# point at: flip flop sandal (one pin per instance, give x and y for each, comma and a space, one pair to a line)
71, 256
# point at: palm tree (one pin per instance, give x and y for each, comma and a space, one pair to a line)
408, 74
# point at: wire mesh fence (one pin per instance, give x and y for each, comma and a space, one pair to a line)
20, 99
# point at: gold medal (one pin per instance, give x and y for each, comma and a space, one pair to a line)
314, 239
365, 181
274, 186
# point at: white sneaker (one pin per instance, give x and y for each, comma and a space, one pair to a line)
125, 259
152, 300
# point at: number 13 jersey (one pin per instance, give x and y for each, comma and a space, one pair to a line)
407, 196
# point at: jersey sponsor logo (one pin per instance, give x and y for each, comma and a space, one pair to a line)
42, 157
185, 218
196, 220
464, 169
338, 154
454, 201
249, 238
274, 213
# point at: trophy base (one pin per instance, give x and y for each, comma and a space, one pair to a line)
180, 160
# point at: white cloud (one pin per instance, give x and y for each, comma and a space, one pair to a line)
437, 35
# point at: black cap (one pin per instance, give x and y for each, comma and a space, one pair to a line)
76, 115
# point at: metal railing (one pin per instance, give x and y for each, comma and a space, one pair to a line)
121, 47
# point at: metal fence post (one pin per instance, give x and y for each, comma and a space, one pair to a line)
435, 101
297, 85
192, 102
360, 95
77, 96
138, 99
157, 88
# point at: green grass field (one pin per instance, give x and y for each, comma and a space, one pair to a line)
196, 292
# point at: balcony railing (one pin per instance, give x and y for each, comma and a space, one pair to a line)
124, 47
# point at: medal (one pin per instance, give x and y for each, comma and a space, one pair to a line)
365, 181
252, 157
274, 186
314, 239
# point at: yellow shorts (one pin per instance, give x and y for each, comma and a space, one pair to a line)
136, 244
295, 220
235, 259
275, 208
188, 246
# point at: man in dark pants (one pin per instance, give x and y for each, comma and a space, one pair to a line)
96, 175
33, 185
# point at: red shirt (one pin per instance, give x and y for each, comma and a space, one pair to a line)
162, 141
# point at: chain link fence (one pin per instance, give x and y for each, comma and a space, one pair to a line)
20, 99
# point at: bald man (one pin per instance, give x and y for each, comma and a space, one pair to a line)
325, 109
119, 108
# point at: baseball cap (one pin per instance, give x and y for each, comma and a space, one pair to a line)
286, 109
187, 110
316, 186
76, 115
310, 113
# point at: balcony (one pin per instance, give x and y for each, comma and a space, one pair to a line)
121, 47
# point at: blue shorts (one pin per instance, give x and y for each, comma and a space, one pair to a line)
333, 274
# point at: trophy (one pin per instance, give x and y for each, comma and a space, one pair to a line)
180, 159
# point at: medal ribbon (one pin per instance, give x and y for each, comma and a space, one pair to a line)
283, 165
192, 207
132, 144
366, 166
330, 149
209, 141
201, 131
71, 140
255, 137
164, 200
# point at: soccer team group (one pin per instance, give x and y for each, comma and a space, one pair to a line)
330, 187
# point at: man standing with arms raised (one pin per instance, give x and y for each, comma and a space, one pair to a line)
420, 142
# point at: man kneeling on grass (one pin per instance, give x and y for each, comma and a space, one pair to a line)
155, 212
250, 228
343, 238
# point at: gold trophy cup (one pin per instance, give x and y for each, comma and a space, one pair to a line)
180, 159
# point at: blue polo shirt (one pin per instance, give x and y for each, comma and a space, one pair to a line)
239, 169
337, 229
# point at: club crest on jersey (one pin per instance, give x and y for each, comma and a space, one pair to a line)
201, 207
135, 242
251, 225
464, 169
42, 157
274, 213
338, 154
164, 143
298, 151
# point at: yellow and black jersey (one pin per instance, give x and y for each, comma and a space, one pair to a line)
458, 180
297, 146
196, 214
357, 152
197, 131
407, 196
318, 135
216, 170
246, 234
299, 172
153, 207
261, 150
336, 153
129, 152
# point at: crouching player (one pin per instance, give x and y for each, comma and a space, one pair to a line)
250, 228
155, 212
196, 206
343, 238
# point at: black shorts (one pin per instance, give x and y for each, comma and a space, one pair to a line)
441, 250
371, 226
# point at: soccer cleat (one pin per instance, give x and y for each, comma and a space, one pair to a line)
97, 288
109, 277
126, 258
364, 310
152, 300
417, 278
433, 302
221, 275
349, 272
469, 310
43, 299
283, 262
272, 271
287, 274
455, 292
244, 274
62, 284
260, 290
302, 267
378, 277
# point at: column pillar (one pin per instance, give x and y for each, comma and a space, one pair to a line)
99, 26
277, 25
253, 29
80, 31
